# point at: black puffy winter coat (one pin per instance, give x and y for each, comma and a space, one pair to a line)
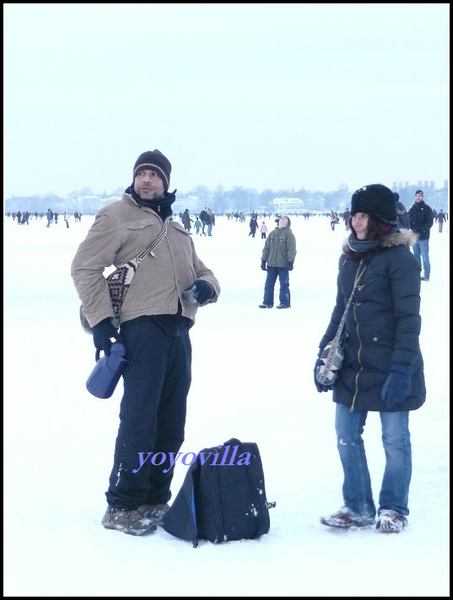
421, 219
382, 326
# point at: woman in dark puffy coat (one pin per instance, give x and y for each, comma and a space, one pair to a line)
382, 369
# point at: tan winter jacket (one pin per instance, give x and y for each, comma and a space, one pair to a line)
120, 231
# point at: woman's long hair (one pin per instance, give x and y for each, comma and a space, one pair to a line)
375, 231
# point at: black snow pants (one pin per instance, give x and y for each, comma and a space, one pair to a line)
157, 380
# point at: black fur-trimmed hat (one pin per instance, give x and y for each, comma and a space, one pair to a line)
376, 200
154, 161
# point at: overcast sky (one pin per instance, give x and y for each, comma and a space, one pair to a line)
254, 95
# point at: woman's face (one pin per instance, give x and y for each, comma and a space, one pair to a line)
360, 224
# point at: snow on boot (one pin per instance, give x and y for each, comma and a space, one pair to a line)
154, 512
390, 521
127, 521
345, 518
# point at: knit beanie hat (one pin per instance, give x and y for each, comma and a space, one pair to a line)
154, 161
376, 200
419, 192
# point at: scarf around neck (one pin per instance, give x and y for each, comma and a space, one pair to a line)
362, 246
161, 206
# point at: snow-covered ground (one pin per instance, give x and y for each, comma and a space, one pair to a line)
252, 379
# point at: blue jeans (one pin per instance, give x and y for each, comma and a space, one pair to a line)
421, 253
284, 295
357, 493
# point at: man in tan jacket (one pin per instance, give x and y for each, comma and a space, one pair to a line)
159, 309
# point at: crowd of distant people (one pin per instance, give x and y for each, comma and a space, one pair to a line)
24, 218
204, 221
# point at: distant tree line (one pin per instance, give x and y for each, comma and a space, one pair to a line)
222, 201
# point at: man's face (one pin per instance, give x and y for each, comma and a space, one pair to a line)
148, 185
283, 222
418, 197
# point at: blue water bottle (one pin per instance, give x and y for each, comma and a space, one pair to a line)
107, 371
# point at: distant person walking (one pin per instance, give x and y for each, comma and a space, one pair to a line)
49, 217
277, 259
333, 219
253, 226
210, 221
421, 220
186, 220
204, 220
263, 229
346, 217
441, 218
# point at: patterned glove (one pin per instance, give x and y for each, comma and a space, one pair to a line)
319, 386
200, 292
398, 384
102, 332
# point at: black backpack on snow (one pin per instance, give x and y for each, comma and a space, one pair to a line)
223, 496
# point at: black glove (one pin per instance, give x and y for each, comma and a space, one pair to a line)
102, 332
200, 292
319, 386
263, 265
398, 384
290, 266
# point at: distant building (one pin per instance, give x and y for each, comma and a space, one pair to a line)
109, 200
287, 205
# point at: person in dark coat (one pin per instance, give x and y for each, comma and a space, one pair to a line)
346, 218
186, 220
253, 226
401, 213
441, 218
421, 220
204, 220
382, 369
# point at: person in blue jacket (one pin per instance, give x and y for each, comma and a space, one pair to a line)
382, 369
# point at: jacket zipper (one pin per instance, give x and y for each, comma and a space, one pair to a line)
356, 379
